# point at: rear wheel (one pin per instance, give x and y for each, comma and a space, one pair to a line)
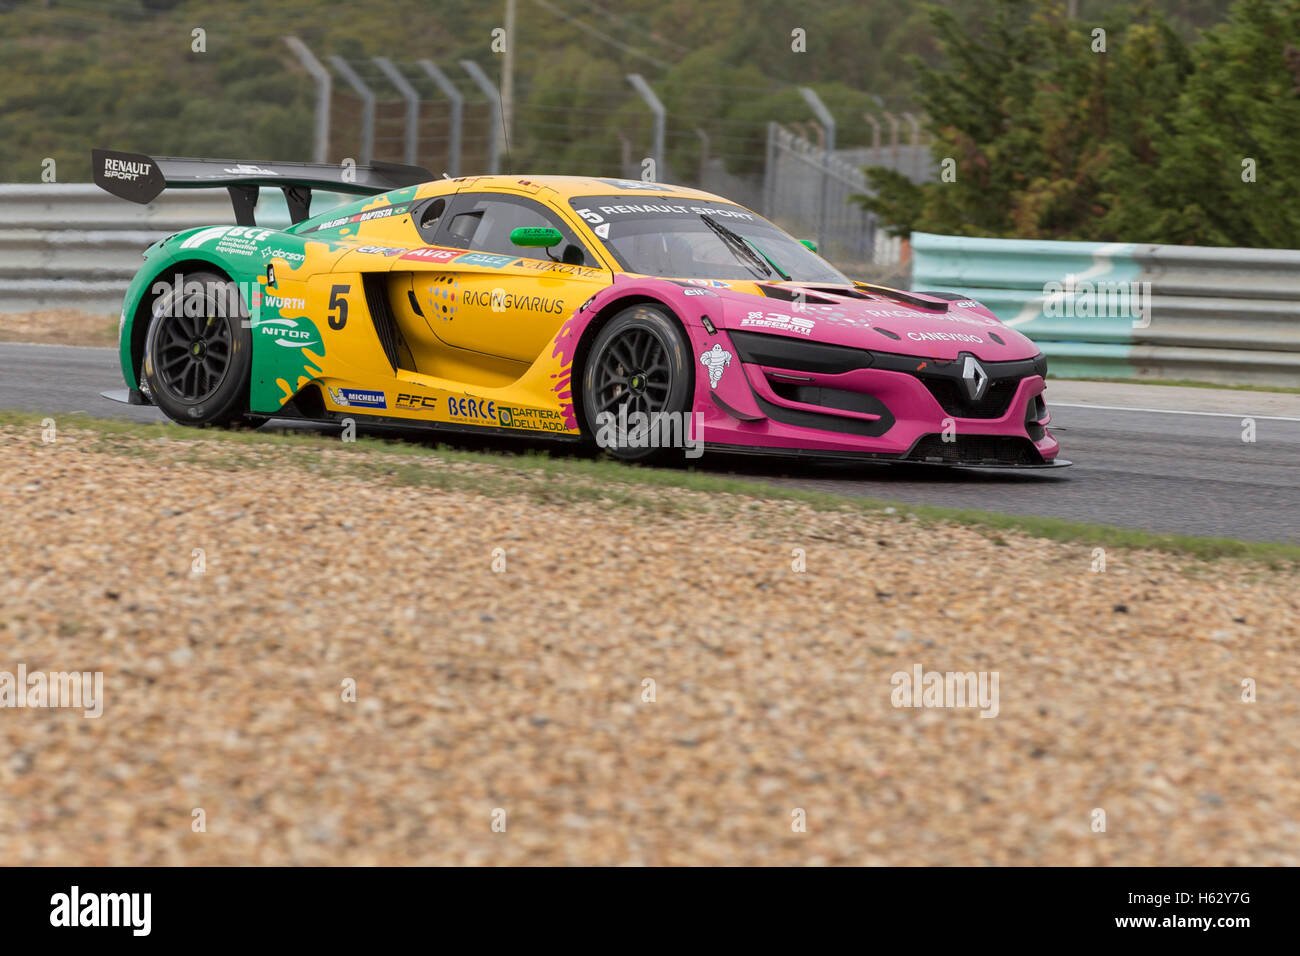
198, 352
637, 372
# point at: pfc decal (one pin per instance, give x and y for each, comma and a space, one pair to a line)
472, 408
357, 398
715, 360
531, 419
406, 400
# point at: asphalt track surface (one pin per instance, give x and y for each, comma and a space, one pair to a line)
1164, 460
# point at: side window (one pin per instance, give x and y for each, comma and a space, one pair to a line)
429, 216
483, 223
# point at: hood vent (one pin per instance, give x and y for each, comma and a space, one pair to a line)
916, 300
787, 294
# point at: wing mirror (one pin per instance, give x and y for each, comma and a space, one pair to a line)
535, 236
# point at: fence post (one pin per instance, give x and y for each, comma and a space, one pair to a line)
769, 172
321, 75
828, 123
367, 107
494, 100
915, 125
457, 108
660, 120
704, 153
412, 105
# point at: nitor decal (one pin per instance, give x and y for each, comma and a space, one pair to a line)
286, 333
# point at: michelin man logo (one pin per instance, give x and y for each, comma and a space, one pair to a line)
715, 360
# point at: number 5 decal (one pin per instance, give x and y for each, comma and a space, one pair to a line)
339, 304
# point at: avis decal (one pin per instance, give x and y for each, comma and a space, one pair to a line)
433, 254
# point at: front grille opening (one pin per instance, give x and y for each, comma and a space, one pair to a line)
951, 396
976, 450
836, 398
1033, 415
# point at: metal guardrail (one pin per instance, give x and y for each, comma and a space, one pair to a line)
1128, 310
73, 246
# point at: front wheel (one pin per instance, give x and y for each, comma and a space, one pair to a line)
198, 352
637, 384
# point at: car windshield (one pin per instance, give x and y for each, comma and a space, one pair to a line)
680, 239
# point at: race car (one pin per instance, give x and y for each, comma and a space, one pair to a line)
636, 315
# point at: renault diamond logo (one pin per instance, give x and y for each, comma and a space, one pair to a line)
974, 378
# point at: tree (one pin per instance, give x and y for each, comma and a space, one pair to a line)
1043, 123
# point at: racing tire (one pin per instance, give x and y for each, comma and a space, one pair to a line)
198, 352
640, 362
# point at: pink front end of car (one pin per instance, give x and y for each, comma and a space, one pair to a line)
857, 372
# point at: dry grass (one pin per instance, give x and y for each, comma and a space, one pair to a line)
523, 689
58, 327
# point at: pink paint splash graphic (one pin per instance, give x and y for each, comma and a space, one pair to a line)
566, 344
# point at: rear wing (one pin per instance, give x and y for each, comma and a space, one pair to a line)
142, 179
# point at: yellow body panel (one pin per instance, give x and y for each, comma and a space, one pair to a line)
478, 340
